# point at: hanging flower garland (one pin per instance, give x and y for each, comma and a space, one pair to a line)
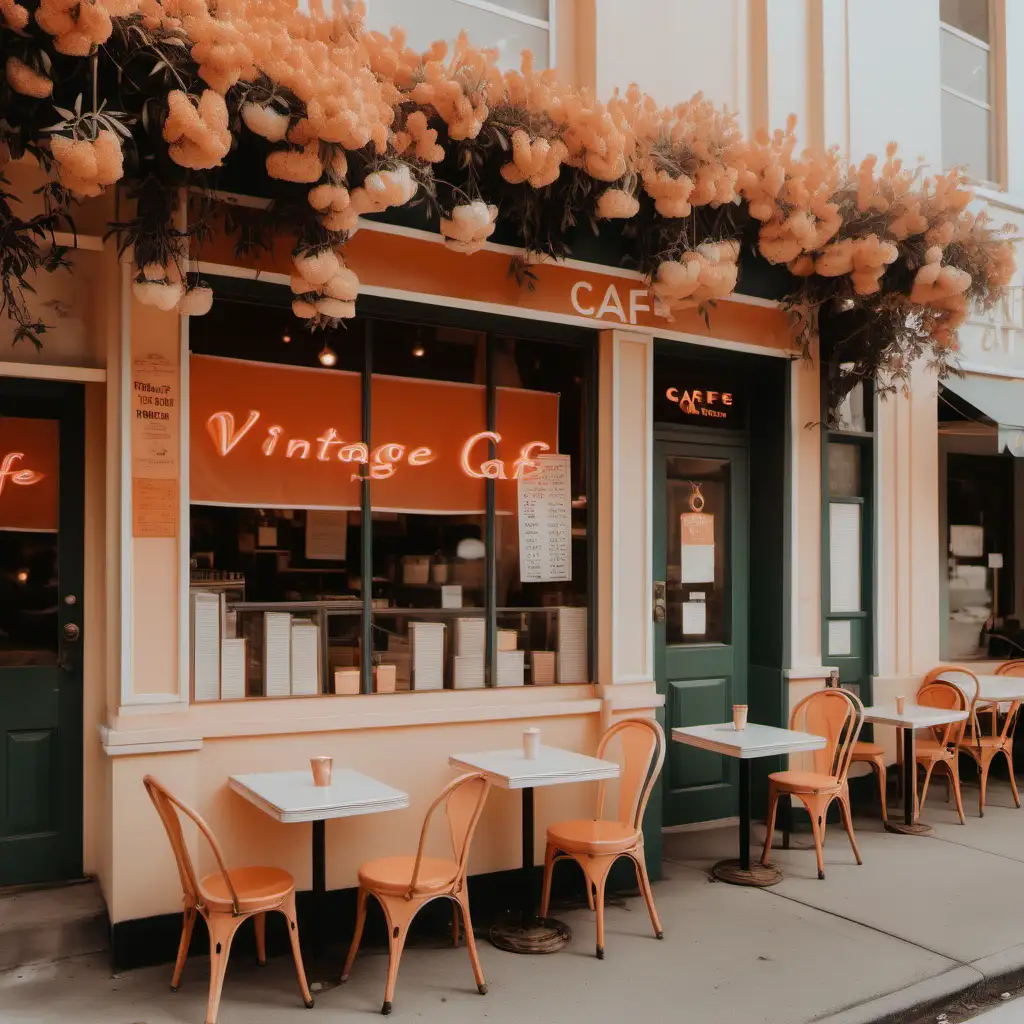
341, 123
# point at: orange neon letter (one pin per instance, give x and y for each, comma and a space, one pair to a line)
526, 463
384, 459
221, 427
297, 444
273, 433
21, 477
492, 469
421, 457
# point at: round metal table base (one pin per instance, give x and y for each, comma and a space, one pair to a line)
541, 935
901, 828
759, 875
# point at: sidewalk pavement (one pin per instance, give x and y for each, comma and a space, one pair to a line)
922, 919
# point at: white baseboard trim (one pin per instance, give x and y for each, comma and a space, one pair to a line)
700, 826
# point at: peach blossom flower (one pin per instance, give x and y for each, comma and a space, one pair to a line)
26, 80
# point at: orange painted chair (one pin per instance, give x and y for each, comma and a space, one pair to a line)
837, 715
865, 752
940, 745
404, 885
597, 844
985, 745
225, 899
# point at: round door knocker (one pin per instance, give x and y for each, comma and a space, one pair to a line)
696, 498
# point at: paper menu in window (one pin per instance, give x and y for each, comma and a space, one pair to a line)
326, 534
967, 541
697, 547
695, 618
545, 521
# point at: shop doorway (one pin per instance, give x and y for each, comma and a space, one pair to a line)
701, 558
41, 616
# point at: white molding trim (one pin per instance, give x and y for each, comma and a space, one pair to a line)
144, 747
123, 395
37, 371
985, 370
184, 517
795, 675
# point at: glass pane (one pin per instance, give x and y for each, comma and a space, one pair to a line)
965, 67
965, 136
541, 399
844, 542
698, 586
426, 22
970, 16
844, 471
429, 521
29, 516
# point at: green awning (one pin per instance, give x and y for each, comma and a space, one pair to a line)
1000, 399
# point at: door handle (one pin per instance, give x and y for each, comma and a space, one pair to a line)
71, 632
660, 605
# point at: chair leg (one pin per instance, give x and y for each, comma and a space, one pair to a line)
816, 809
773, 806
260, 921
399, 918
462, 904
357, 935
188, 923
927, 779
549, 867
590, 896
883, 785
599, 868
983, 766
456, 914
288, 909
899, 764
222, 932
954, 777
844, 810
1008, 752
640, 863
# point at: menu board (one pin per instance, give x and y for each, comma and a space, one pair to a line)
155, 414
545, 521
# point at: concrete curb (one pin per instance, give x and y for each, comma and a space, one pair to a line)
994, 973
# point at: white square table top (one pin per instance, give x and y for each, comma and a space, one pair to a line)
914, 715
753, 741
1001, 688
552, 766
291, 796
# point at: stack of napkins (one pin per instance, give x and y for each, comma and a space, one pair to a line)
206, 611
572, 645
470, 645
305, 658
277, 654
427, 655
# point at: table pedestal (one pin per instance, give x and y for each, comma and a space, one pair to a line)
910, 826
742, 872
525, 932
320, 972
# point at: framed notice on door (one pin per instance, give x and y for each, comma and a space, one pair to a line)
697, 543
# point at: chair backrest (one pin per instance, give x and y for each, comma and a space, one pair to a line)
464, 800
170, 809
837, 715
967, 683
643, 750
1011, 668
943, 694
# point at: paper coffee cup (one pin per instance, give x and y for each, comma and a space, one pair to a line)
901, 704
739, 716
531, 744
321, 770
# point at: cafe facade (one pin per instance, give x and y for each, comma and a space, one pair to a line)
215, 475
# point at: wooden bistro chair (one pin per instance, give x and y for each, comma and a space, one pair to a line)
984, 743
837, 715
225, 899
404, 885
941, 746
596, 844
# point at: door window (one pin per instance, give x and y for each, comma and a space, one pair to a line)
29, 457
698, 591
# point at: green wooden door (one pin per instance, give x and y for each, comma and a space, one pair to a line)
701, 644
41, 509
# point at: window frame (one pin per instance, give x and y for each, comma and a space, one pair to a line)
374, 309
996, 105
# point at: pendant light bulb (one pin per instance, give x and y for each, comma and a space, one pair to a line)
328, 357
419, 351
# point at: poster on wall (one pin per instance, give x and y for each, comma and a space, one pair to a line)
697, 543
545, 521
155, 416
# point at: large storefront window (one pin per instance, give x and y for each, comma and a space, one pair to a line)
397, 506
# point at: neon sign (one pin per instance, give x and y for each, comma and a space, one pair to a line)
383, 461
701, 403
20, 477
